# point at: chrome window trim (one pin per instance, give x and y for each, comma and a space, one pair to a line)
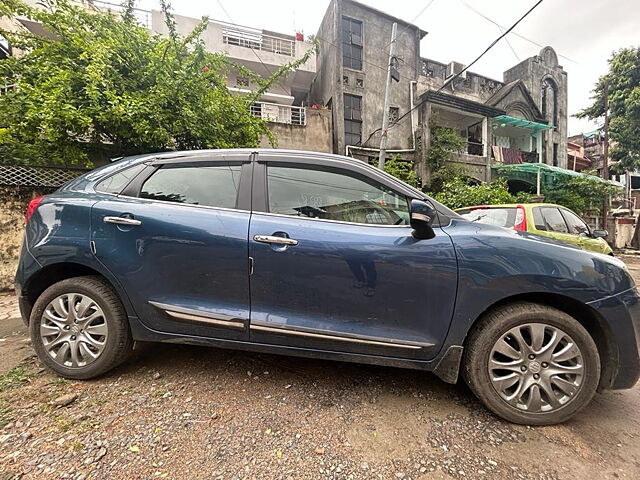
166, 202
199, 316
327, 335
341, 222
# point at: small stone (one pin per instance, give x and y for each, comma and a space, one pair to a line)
288, 386
319, 451
157, 376
25, 436
493, 463
399, 475
65, 400
166, 395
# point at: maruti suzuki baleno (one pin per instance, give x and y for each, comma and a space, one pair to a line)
317, 255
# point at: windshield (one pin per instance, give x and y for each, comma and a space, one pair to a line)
500, 217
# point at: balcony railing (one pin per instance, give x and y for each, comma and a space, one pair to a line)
273, 112
256, 40
6, 88
142, 16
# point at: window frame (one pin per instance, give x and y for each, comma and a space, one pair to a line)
243, 197
339, 171
349, 42
356, 121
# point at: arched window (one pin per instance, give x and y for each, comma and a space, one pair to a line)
550, 100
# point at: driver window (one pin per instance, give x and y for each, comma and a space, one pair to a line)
575, 223
330, 194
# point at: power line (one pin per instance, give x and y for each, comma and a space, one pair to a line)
409, 24
491, 45
477, 12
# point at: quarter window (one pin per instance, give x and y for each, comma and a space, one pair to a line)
116, 182
214, 186
351, 43
332, 195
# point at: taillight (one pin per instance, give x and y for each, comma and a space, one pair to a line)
33, 206
521, 219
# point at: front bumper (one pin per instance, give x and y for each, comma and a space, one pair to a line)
621, 313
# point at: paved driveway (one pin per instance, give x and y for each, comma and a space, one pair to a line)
186, 412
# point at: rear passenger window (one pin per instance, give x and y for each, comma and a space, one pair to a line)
214, 186
116, 182
553, 220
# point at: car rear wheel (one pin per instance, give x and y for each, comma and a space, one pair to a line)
79, 328
532, 364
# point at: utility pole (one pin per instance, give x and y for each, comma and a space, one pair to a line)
385, 110
605, 150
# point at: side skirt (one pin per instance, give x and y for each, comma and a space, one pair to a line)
141, 332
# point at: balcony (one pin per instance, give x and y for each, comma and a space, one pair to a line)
256, 40
273, 112
142, 16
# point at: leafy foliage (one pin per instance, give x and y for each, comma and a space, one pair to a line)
101, 85
623, 81
458, 192
402, 170
583, 195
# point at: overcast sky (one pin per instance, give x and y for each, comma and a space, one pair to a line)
583, 32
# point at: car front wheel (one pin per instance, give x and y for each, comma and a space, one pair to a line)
532, 364
79, 328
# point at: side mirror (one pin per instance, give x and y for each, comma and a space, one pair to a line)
422, 215
599, 234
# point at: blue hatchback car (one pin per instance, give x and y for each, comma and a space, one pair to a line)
322, 256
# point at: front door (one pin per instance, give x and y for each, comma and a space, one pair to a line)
336, 267
178, 245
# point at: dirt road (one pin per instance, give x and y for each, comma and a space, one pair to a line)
183, 412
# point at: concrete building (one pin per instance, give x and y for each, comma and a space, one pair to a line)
285, 105
523, 117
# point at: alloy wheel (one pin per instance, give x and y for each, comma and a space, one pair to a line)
536, 367
74, 330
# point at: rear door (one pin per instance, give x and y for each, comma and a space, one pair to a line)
336, 267
550, 222
176, 238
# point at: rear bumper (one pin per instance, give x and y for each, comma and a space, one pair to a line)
622, 315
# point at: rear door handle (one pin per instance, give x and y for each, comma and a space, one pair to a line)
276, 240
122, 221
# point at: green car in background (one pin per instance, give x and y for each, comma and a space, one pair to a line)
545, 219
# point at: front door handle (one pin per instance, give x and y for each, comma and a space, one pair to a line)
276, 240
122, 221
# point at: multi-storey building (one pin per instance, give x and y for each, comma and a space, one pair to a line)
521, 118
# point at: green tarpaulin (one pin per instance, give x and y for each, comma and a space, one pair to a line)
528, 172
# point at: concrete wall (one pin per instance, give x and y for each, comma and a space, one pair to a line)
13, 205
330, 82
316, 136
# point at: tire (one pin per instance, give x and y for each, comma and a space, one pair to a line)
95, 331
555, 395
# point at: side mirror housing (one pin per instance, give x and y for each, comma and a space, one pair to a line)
599, 234
422, 215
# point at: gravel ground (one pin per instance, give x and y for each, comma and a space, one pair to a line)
183, 412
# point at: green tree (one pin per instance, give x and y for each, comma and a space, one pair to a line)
583, 195
623, 85
458, 193
402, 170
101, 85
444, 142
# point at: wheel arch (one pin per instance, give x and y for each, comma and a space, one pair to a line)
56, 272
588, 317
